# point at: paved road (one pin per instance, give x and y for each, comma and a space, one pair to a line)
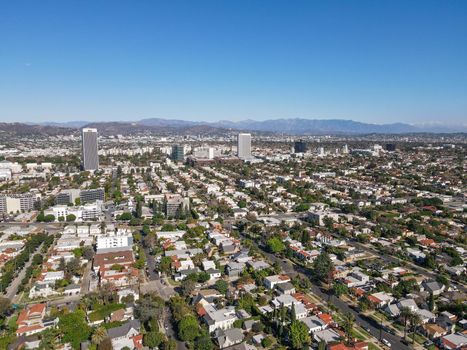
12, 289
162, 287
368, 323
169, 330
86, 280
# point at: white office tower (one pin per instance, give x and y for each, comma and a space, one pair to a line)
89, 148
244, 146
345, 149
321, 152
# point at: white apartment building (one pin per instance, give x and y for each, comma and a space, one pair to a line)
119, 239
90, 211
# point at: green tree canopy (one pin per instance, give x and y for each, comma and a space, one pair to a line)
299, 334
275, 245
74, 328
188, 328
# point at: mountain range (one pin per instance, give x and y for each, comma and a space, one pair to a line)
291, 126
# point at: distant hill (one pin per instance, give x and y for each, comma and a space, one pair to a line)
301, 126
318, 126
292, 126
20, 129
129, 128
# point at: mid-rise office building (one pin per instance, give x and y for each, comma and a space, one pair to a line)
175, 205
244, 146
178, 153
300, 146
90, 149
14, 203
92, 195
66, 197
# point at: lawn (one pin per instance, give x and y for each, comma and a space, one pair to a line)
418, 338
103, 311
364, 332
358, 335
372, 346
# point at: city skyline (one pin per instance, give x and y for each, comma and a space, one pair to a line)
390, 62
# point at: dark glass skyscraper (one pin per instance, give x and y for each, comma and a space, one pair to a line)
300, 146
177, 153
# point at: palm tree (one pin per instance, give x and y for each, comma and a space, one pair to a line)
405, 314
415, 321
348, 322
99, 335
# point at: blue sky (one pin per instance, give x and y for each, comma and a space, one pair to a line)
371, 61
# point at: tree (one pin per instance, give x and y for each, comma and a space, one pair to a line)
40, 217
170, 344
339, 289
299, 334
70, 217
153, 339
49, 218
165, 264
301, 207
222, 286
203, 277
139, 209
99, 335
106, 344
187, 287
74, 328
415, 321
88, 252
188, 328
149, 307
293, 313
322, 345
322, 267
275, 245
267, 341
431, 302
5, 306
49, 339
348, 320
405, 314
204, 342
125, 216
73, 267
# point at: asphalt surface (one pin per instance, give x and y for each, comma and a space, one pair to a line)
12, 289
165, 291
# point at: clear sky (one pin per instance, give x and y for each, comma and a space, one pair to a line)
372, 61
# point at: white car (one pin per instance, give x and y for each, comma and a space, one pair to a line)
385, 342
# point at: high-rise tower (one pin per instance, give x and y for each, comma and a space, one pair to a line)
244, 146
90, 148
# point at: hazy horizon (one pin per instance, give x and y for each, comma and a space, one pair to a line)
373, 62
